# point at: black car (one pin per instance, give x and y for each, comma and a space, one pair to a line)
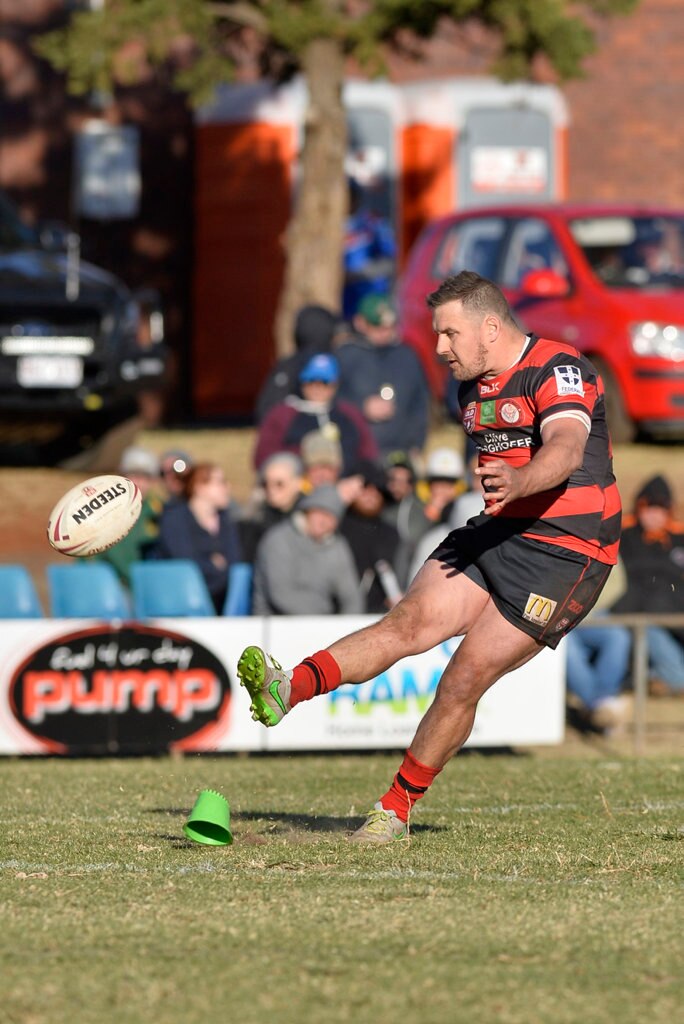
77, 346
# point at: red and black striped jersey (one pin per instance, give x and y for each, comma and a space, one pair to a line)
504, 416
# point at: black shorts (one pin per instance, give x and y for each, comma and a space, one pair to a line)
543, 589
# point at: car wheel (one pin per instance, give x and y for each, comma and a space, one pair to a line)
622, 428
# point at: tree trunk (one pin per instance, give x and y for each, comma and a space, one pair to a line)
315, 234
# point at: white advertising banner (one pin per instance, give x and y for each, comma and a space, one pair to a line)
86, 687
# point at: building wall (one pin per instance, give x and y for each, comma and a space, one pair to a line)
626, 138
626, 133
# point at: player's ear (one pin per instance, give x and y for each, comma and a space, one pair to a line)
492, 327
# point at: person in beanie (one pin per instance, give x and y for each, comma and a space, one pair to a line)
652, 552
303, 566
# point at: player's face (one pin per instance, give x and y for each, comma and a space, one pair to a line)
462, 340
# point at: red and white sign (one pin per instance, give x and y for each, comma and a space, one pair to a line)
79, 686
509, 169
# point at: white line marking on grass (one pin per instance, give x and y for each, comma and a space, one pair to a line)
386, 874
70, 820
638, 807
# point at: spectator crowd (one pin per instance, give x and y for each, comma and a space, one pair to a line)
348, 503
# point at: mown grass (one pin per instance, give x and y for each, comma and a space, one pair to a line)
531, 891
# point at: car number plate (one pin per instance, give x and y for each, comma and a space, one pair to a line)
49, 371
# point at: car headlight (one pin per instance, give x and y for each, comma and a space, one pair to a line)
652, 339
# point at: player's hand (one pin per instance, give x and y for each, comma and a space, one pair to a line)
501, 483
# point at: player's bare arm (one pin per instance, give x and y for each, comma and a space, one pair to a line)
561, 454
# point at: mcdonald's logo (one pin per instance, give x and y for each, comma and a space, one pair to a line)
539, 609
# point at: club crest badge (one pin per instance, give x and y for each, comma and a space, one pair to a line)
568, 380
510, 413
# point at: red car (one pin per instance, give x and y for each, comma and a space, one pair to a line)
608, 279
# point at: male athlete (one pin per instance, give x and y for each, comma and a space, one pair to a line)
515, 578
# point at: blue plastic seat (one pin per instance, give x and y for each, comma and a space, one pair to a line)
18, 596
168, 588
86, 590
239, 597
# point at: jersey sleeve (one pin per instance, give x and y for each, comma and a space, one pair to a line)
567, 386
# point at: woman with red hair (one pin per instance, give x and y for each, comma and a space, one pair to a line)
200, 528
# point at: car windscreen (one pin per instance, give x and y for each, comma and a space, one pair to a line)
14, 233
643, 251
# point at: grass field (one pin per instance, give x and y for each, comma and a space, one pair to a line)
532, 890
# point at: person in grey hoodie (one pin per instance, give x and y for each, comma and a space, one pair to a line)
303, 566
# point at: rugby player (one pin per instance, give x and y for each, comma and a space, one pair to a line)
516, 577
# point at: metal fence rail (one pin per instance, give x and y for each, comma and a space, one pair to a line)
638, 622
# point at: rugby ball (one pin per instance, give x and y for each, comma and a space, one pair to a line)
94, 515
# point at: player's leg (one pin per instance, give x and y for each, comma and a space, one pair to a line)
491, 648
439, 604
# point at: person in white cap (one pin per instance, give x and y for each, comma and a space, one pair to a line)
142, 467
444, 480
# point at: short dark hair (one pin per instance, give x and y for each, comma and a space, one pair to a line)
478, 295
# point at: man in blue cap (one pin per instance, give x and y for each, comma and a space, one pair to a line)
316, 408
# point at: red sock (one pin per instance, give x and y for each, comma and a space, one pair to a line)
410, 784
318, 674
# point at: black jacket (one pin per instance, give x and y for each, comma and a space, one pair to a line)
314, 331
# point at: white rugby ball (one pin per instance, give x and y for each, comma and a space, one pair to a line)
94, 515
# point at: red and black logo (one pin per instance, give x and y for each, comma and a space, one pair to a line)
129, 690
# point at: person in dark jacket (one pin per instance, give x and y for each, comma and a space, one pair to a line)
315, 330
200, 528
375, 544
316, 407
404, 509
652, 552
384, 378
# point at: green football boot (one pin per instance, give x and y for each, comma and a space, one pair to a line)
267, 684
